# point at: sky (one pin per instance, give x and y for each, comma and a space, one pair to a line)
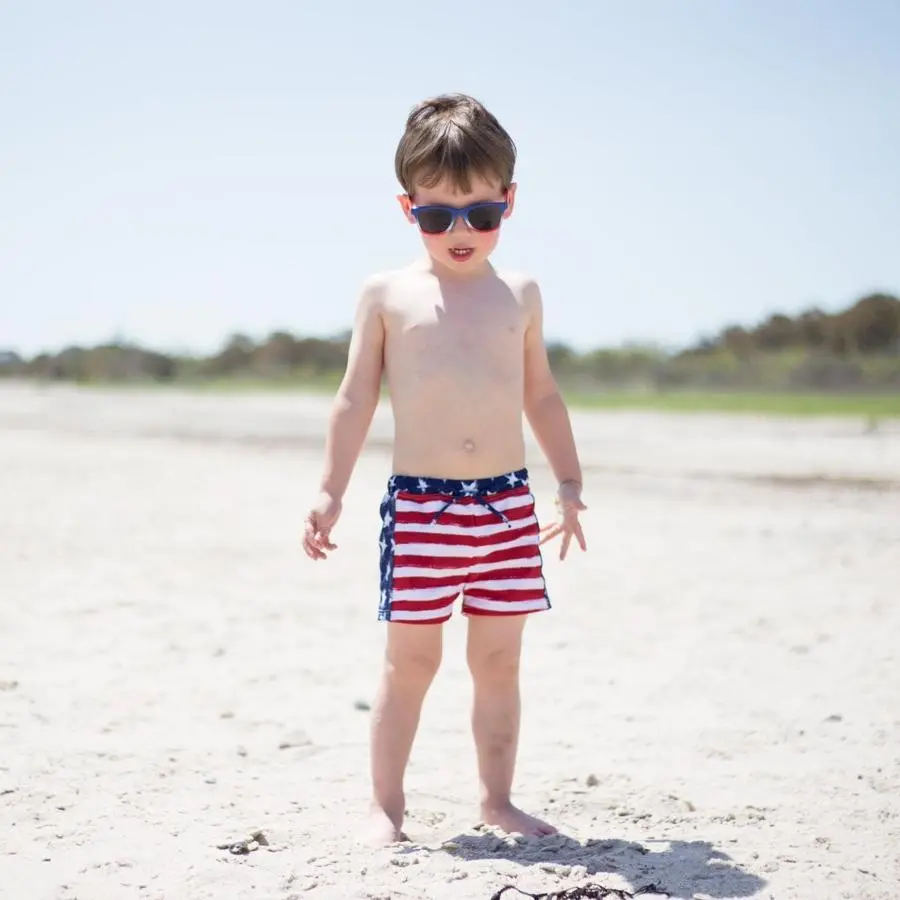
172, 173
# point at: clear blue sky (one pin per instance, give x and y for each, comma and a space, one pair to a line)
177, 171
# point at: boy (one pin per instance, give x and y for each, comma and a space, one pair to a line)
461, 347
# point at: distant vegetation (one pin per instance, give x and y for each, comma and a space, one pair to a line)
857, 350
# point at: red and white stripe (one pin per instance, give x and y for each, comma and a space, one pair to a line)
469, 549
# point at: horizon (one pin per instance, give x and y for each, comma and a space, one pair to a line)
343, 335
178, 175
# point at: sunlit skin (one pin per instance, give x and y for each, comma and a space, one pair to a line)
461, 347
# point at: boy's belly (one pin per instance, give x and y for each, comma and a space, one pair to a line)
457, 433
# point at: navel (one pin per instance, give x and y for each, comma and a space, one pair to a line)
468, 445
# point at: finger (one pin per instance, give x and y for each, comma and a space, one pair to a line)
312, 539
550, 534
311, 551
564, 548
322, 544
579, 535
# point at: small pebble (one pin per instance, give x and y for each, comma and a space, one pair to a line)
294, 739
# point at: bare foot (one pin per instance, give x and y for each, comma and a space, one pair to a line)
512, 820
383, 828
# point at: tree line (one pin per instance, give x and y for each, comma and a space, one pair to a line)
858, 348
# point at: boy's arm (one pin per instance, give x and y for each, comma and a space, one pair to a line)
544, 407
356, 398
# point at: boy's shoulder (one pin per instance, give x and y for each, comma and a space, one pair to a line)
379, 281
378, 284
523, 286
516, 280
375, 290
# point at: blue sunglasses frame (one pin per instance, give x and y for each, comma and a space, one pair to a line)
460, 212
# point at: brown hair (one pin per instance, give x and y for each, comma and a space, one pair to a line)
453, 136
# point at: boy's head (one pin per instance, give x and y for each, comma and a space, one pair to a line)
454, 153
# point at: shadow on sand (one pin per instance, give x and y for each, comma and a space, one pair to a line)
674, 868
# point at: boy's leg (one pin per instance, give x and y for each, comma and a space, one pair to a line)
412, 657
494, 650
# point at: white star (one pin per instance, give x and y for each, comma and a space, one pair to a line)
470, 486
513, 479
392, 481
423, 485
387, 519
383, 545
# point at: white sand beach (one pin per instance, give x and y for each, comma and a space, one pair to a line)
712, 705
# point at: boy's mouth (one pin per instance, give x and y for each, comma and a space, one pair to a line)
461, 254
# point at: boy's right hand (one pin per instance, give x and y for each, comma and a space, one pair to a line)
321, 519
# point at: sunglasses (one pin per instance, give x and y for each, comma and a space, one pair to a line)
481, 217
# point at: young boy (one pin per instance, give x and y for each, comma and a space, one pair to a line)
461, 347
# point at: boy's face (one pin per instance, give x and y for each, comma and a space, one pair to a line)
466, 246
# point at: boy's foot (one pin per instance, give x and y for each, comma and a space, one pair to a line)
513, 821
384, 829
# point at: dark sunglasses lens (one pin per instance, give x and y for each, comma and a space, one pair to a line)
434, 221
485, 218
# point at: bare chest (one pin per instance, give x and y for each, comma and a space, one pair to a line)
478, 336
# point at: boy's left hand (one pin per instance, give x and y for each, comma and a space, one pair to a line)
568, 505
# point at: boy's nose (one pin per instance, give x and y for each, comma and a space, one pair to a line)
460, 223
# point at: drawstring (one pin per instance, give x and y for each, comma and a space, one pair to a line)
479, 497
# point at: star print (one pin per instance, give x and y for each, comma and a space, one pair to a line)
387, 519
392, 481
470, 486
513, 479
423, 485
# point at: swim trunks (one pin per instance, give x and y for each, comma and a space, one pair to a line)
441, 538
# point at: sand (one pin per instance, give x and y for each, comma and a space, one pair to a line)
712, 705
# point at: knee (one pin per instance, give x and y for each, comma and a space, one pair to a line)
501, 664
412, 666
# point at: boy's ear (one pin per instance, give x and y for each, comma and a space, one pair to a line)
405, 202
510, 199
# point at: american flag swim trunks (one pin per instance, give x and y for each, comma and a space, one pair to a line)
441, 537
